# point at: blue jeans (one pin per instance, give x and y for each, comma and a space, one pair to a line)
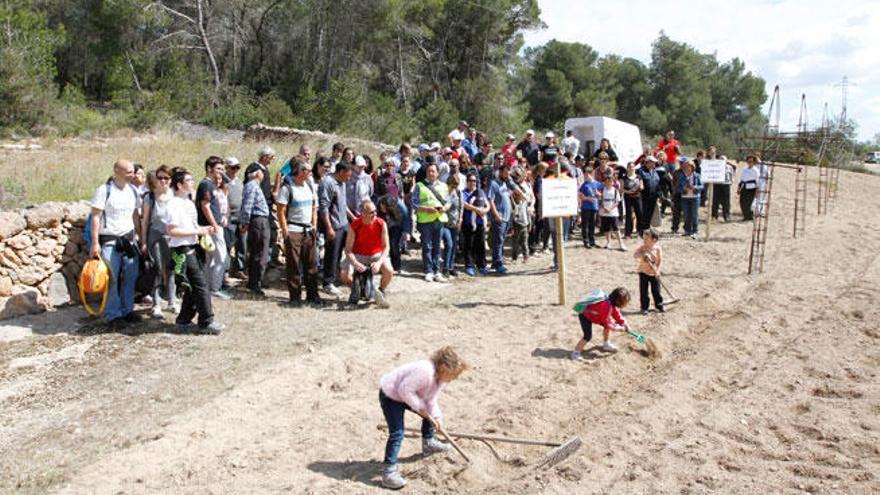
588, 227
450, 241
431, 246
690, 210
499, 233
393, 412
123, 275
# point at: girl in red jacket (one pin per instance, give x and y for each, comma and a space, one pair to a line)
606, 313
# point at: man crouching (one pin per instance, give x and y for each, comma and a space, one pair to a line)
367, 248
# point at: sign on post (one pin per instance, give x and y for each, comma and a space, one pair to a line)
559, 199
712, 172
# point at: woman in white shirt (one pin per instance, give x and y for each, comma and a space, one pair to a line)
748, 186
183, 231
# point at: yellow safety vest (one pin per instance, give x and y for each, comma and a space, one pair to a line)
427, 198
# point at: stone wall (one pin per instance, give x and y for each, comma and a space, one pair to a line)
42, 251
319, 140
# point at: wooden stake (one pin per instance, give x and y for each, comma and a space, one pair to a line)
560, 248
709, 210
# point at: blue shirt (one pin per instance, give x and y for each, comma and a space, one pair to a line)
499, 194
651, 180
470, 147
253, 203
590, 189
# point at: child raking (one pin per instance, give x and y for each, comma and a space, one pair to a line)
415, 386
605, 311
650, 258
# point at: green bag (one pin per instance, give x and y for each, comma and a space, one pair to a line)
592, 298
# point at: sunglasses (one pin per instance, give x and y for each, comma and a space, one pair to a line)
163, 177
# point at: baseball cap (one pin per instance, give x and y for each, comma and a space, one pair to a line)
651, 158
232, 161
511, 137
549, 135
683, 159
446, 150
423, 147
579, 158
456, 135
530, 132
463, 123
435, 146
267, 151
359, 161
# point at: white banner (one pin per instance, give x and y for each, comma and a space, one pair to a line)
713, 171
559, 198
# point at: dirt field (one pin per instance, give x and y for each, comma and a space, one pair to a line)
768, 384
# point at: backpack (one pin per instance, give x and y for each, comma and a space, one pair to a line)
87, 233
590, 299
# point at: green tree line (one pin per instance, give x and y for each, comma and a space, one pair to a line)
390, 70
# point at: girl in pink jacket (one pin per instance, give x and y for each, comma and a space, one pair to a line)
605, 313
415, 387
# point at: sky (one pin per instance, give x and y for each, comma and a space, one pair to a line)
804, 46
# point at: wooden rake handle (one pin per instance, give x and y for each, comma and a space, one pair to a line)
492, 438
448, 438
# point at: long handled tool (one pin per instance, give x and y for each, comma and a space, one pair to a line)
672, 299
562, 451
449, 439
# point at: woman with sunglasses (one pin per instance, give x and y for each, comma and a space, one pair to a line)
154, 244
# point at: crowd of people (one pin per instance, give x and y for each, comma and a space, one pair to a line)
343, 217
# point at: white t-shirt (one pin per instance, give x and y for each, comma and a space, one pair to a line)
300, 207
610, 196
181, 213
571, 145
749, 178
118, 209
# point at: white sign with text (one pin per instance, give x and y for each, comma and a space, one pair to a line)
713, 171
559, 198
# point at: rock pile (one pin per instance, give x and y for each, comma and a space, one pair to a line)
42, 251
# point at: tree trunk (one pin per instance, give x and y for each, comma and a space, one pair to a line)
203, 34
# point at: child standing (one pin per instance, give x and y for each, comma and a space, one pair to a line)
650, 258
521, 222
415, 387
605, 312
610, 198
588, 197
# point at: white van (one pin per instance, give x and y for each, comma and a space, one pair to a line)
625, 137
872, 157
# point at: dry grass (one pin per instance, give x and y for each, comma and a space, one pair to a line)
71, 169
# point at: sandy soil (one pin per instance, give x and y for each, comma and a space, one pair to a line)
768, 383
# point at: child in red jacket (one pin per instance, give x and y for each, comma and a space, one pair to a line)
605, 312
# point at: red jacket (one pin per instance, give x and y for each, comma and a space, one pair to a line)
604, 313
670, 149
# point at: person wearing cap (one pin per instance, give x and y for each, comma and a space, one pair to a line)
298, 217
429, 203
458, 133
264, 160
447, 155
254, 220
689, 187
549, 150
500, 210
234, 236
358, 188
570, 144
650, 192
529, 149
333, 219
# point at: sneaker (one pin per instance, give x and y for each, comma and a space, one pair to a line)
576, 356
132, 317
622, 247
694, 236
392, 479
644, 312
156, 314
185, 327
174, 308
221, 294
609, 347
484, 271
213, 328
429, 277
660, 309
470, 271
433, 446
380, 299
501, 270
440, 278
332, 290
605, 246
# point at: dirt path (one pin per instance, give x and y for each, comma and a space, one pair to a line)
767, 384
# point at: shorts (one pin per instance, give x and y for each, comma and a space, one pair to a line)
609, 224
347, 266
586, 327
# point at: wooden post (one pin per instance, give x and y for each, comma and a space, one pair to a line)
560, 248
709, 209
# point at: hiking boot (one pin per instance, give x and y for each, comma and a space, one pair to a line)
608, 347
213, 328
392, 479
433, 446
380, 298
429, 277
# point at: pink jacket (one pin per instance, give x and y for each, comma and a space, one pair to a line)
414, 384
604, 313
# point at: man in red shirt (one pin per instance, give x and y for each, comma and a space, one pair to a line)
671, 147
367, 248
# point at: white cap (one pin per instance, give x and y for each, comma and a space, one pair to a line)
267, 151
359, 161
435, 146
651, 158
456, 135
549, 135
231, 161
530, 132
723, 157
